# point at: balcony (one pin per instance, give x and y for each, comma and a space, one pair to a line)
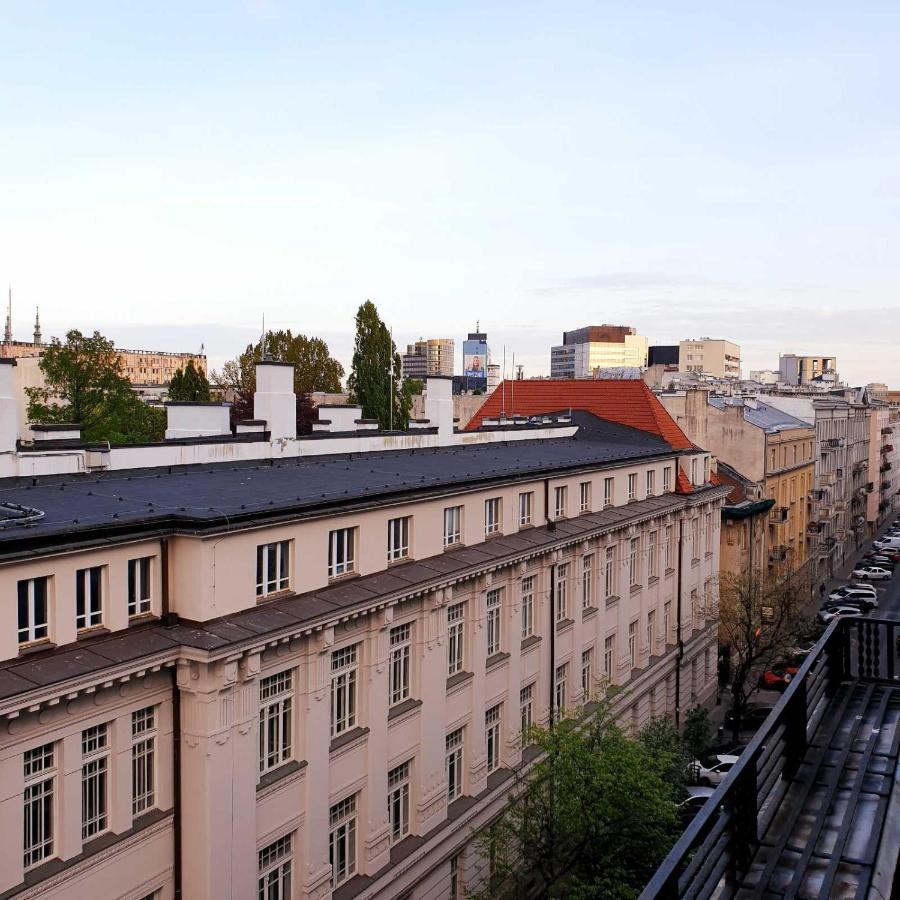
831, 444
814, 527
870, 486
886, 467
779, 513
803, 812
887, 448
887, 430
885, 485
778, 554
816, 494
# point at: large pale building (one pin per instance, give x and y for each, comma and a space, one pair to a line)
428, 357
305, 672
710, 356
586, 350
810, 371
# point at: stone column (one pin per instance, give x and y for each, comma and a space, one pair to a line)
377, 837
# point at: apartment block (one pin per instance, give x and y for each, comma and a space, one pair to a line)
428, 357
710, 356
807, 370
588, 350
304, 671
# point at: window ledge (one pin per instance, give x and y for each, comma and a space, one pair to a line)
348, 737
612, 600
493, 534
36, 647
86, 633
669, 572
496, 659
563, 624
283, 771
273, 595
653, 579
531, 641
525, 525
406, 706
399, 561
456, 545
694, 563
344, 576
458, 679
588, 612
140, 618
635, 588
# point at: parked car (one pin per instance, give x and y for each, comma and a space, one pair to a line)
693, 803
832, 612
865, 602
878, 559
777, 677
754, 715
890, 552
887, 543
850, 590
801, 651
872, 573
852, 597
712, 771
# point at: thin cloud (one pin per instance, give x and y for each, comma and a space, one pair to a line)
625, 281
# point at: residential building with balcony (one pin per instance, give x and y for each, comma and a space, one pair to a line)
812, 371
251, 664
710, 356
745, 519
586, 350
883, 466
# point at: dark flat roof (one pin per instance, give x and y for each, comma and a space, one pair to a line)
80, 508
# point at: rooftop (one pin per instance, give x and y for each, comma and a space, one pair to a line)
762, 415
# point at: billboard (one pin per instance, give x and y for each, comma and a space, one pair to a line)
475, 360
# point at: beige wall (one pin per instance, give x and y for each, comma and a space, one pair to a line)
712, 357
789, 479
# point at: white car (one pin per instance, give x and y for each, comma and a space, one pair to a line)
887, 543
853, 595
872, 573
833, 612
719, 766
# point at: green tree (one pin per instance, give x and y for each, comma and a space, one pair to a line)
660, 737
375, 358
697, 732
189, 385
594, 817
84, 384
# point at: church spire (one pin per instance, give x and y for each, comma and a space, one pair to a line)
7, 334
37, 325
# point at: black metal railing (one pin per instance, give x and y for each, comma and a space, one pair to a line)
715, 852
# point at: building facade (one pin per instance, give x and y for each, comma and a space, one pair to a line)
428, 357
807, 370
586, 350
710, 356
317, 687
476, 359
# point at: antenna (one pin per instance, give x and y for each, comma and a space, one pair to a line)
7, 336
503, 386
391, 376
512, 390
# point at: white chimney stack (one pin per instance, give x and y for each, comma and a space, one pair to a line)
196, 419
275, 400
439, 404
9, 425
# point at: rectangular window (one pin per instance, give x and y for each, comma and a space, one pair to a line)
453, 764
651, 482
33, 610
492, 516
40, 781
609, 494
632, 486
341, 552
560, 685
456, 623
139, 586
562, 594
587, 673
527, 607
651, 629
492, 737
634, 564
275, 715
94, 781
587, 580
632, 643
560, 495
456, 877
274, 862
609, 573
667, 479
452, 526
695, 537
399, 674
89, 597
652, 539
343, 689
584, 497
526, 508
708, 528
492, 615
706, 466
526, 709
609, 656
398, 802
668, 548
342, 840
398, 538
273, 568
693, 471
143, 760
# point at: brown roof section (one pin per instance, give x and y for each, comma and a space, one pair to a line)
628, 402
682, 484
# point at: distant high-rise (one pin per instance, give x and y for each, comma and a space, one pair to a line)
428, 357
586, 350
799, 370
476, 356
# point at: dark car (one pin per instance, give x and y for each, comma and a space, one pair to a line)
754, 715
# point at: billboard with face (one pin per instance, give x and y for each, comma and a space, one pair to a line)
475, 359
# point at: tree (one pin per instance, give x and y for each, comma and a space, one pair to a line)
594, 817
697, 732
189, 385
761, 613
660, 737
84, 384
375, 358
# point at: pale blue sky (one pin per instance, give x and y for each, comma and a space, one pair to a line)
169, 172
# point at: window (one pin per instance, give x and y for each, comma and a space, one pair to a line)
587, 579
526, 710
651, 482
609, 653
274, 882
94, 780
587, 677
89, 597
341, 552
632, 644
609, 494
455, 638
143, 760
560, 684
609, 573
651, 629
632, 486
695, 608
560, 495
526, 508
398, 538
399, 666
139, 586
694, 471
667, 478
492, 516
527, 607
452, 526
275, 710
634, 566
343, 689
651, 554
670, 536
492, 604
33, 624
562, 600
40, 782
584, 496
695, 537
453, 764
667, 620
398, 802
455, 879
706, 466
272, 568
708, 527
342, 840
492, 737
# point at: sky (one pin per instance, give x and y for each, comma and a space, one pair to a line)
170, 173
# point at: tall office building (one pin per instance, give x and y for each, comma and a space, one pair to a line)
428, 357
476, 356
585, 351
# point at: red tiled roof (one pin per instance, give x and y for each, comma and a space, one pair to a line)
737, 494
682, 484
629, 402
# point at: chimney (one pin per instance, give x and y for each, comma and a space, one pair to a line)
9, 425
196, 419
275, 400
339, 417
439, 404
